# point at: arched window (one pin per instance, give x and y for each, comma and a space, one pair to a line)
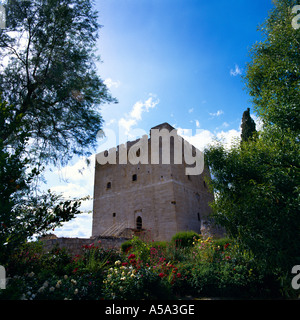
139, 223
108, 186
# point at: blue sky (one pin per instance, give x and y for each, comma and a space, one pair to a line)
175, 61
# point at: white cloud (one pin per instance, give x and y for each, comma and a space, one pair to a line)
140, 107
200, 140
258, 122
70, 191
203, 138
78, 172
228, 138
126, 124
80, 227
217, 114
197, 123
236, 71
110, 122
79, 182
112, 84
191, 110
136, 112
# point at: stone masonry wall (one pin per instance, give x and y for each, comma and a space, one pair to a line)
75, 245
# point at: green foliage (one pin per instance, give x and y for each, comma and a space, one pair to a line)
257, 183
95, 259
208, 268
273, 73
222, 242
125, 246
159, 244
185, 239
52, 93
23, 211
51, 80
228, 271
131, 283
258, 196
140, 249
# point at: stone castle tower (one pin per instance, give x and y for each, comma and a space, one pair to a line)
158, 198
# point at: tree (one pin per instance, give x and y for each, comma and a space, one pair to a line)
49, 76
273, 73
257, 196
248, 126
257, 182
24, 212
52, 95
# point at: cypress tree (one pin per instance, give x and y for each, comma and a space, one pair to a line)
248, 126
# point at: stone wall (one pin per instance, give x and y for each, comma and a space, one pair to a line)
75, 245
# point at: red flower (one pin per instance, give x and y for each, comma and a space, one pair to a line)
161, 275
124, 264
178, 275
128, 249
75, 270
226, 245
132, 256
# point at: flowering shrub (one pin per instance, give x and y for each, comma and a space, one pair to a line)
146, 270
132, 281
223, 270
184, 239
34, 287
